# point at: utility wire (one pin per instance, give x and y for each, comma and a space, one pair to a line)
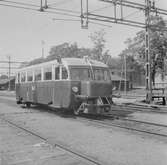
70, 13
62, 13
131, 14
20, 3
33, 9
59, 19
26, 4
74, 20
65, 10
101, 8
59, 3
16, 62
19, 7
100, 24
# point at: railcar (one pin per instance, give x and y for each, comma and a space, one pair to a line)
78, 84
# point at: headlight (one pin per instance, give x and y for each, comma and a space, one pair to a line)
75, 89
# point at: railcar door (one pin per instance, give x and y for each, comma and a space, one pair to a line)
62, 88
34, 87
17, 87
34, 92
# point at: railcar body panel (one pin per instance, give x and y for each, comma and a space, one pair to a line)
78, 84
95, 88
55, 93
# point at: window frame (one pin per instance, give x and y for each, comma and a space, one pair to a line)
90, 76
43, 73
28, 76
21, 73
35, 70
103, 71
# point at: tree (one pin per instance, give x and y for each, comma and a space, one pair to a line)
63, 50
68, 50
99, 41
158, 46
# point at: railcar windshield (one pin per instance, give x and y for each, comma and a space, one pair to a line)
101, 74
80, 74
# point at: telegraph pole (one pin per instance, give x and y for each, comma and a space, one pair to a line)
46, 4
117, 17
147, 52
41, 6
125, 87
42, 43
84, 11
9, 71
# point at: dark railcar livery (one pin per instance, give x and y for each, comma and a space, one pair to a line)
81, 85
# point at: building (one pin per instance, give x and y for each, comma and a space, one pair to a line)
118, 83
4, 84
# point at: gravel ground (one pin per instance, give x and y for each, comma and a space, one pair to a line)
18, 147
111, 146
7, 93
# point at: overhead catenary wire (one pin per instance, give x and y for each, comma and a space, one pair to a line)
62, 13
19, 7
20, 3
101, 8
53, 12
131, 14
61, 19
135, 5
37, 7
16, 62
109, 26
67, 13
59, 3
65, 10
75, 20
119, 21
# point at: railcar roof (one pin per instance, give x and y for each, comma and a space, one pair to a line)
68, 62
40, 65
82, 62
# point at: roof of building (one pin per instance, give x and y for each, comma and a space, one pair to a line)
5, 81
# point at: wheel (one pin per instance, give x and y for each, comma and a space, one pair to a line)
28, 104
75, 109
76, 112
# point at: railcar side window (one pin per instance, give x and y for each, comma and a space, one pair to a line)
64, 73
23, 77
18, 78
29, 76
57, 73
37, 74
48, 73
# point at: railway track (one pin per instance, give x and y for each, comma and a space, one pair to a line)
56, 144
141, 108
144, 122
120, 122
130, 124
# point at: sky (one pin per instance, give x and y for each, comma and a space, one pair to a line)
22, 32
